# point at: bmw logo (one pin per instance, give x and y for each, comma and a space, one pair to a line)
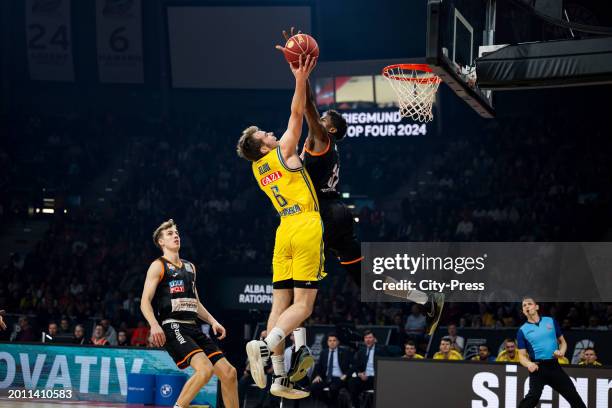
166, 390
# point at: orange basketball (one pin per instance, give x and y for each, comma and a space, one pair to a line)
300, 44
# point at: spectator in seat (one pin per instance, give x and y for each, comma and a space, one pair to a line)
446, 352
79, 335
25, 332
415, 322
509, 354
331, 371
484, 354
457, 342
52, 331
122, 339
590, 358
109, 332
98, 337
566, 324
65, 326
140, 335
410, 351
363, 366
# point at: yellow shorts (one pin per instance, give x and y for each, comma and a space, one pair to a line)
298, 252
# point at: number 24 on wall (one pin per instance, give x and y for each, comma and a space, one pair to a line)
59, 38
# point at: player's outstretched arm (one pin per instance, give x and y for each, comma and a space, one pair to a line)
315, 128
291, 137
150, 286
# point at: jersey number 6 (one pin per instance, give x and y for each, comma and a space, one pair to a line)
279, 198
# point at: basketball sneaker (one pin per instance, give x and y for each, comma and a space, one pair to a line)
301, 361
282, 387
435, 300
258, 353
433, 315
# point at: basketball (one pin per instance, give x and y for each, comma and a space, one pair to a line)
300, 44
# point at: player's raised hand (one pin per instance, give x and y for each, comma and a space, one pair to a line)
218, 330
291, 33
287, 36
302, 72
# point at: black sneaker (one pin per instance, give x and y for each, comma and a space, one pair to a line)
301, 361
283, 388
436, 303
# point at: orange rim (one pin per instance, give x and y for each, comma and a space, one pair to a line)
411, 67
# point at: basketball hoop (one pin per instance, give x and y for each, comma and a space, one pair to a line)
415, 86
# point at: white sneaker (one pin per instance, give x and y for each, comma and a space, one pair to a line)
258, 353
283, 388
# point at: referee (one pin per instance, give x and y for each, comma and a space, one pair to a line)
540, 344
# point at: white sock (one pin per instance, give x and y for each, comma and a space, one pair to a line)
417, 296
299, 335
275, 337
177, 406
278, 364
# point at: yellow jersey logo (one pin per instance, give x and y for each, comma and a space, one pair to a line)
290, 190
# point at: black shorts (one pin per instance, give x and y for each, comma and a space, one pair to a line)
184, 340
339, 230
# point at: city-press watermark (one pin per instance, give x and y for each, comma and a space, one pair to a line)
488, 271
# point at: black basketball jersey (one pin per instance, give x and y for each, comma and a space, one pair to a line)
175, 295
324, 170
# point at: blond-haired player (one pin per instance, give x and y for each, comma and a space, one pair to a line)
171, 285
297, 261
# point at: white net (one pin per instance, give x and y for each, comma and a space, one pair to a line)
415, 89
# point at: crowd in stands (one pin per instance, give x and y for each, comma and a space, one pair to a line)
512, 181
51, 156
525, 180
344, 376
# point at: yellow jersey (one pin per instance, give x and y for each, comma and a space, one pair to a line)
290, 190
416, 357
452, 355
503, 357
593, 364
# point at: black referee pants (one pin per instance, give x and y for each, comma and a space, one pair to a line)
551, 373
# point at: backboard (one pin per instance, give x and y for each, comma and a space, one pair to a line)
457, 30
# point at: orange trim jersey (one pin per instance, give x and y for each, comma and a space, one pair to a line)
175, 296
324, 169
290, 190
